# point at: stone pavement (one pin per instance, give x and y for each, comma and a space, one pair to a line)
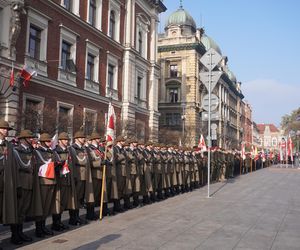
260, 210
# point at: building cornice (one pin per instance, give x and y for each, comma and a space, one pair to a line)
226, 79
177, 47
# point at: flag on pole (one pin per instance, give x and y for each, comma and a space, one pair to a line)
54, 141
12, 76
201, 144
47, 170
290, 148
263, 155
110, 125
243, 154
26, 74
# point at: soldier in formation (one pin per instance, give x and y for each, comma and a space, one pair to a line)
49, 179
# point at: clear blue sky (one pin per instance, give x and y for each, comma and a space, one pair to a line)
262, 41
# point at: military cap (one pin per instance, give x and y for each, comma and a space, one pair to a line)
109, 143
102, 139
140, 142
95, 135
63, 136
25, 134
148, 143
120, 138
4, 124
45, 137
79, 134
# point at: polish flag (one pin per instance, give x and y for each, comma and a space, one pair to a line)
290, 148
111, 121
243, 152
47, 170
27, 73
12, 77
201, 144
54, 141
65, 169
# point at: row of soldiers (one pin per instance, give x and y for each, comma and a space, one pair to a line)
38, 180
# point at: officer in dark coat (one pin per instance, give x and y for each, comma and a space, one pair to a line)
28, 188
82, 177
65, 188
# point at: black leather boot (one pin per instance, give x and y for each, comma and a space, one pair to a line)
45, 230
90, 212
15, 237
136, 201
127, 204
38, 229
23, 236
55, 225
117, 207
78, 219
62, 225
73, 219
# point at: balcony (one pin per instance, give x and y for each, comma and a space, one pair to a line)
91, 86
66, 76
39, 66
112, 93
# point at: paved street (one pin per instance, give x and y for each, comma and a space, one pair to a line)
260, 210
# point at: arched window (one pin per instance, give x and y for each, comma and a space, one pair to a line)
112, 24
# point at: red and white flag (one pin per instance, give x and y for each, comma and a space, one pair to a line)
27, 73
47, 170
290, 148
54, 141
12, 76
201, 144
65, 169
243, 154
110, 125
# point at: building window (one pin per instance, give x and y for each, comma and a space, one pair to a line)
67, 68
92, 12
68, 4
65, 118
32, 116
112, 24
90, 67
173, 95
274, 142
173, 70
90, 120
110, 79
139, 88
34, 42
173, 119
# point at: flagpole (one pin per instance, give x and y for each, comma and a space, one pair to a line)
103, 183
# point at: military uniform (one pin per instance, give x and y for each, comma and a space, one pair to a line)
82, 178
65, 193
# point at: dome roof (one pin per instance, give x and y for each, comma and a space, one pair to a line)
231, 76
181, 17
210, 43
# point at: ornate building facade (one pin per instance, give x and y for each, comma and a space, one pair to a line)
182, 90
86, 54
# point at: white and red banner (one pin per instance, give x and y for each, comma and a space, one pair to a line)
111, 122
202, 144
290, 148
65, 169
27, 73
47, 170
243, 154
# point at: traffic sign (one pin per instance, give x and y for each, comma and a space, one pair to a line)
214, 116
211, 59
214, 102
215, 76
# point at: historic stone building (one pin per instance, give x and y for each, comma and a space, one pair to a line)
269, 136
182, 91
86, 54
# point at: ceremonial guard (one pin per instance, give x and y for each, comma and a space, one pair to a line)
28, 188
8, 189
123, 182
65, 193
96, 156
82, 179
157, 169
48, 170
